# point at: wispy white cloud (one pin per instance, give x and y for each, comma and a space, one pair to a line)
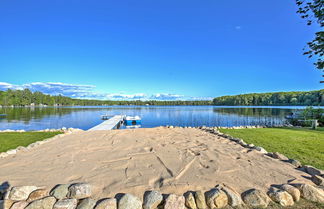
238, 27
89, 92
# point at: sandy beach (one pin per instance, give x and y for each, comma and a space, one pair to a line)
169, 160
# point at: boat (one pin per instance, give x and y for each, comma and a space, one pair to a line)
131, 121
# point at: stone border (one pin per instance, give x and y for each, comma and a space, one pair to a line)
78, 196
37, 143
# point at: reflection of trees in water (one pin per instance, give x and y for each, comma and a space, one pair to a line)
28, 113
254, 111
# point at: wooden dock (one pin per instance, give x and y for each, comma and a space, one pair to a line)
109, 124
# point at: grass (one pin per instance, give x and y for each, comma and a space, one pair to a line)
12, 140
301, 144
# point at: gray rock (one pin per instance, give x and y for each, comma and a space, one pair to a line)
279, 156
293, 191
66, 204
129, 201
19, 205
152, 199
174, 202
295, 163
110, 203
256, 198
311, 193
261, 149
313, 171
21, 193
200, 200
216, 198
86, 203
60, 191
45, 203
234, 198
79, 191
281, 197
190, 200
318, 180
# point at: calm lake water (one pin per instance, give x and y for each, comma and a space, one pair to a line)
152, 116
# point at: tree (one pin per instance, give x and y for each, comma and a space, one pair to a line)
313, 12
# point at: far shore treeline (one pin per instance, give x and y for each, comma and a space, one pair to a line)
28, 98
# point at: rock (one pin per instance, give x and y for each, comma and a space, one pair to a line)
21, 193
261, 149
66, 204
11, 152
200, 200
318, 180
174, 202
152, 199
3, 155
311, 193
313, 171
37, 194
282, 197
19, 205
256, 198
110, 203
234, 198
129, 201
295, 163
6, 204
86, 203
251, 145
60, 191
79, 191
279, 156
45, 203
190, 201
216, 198
293, 191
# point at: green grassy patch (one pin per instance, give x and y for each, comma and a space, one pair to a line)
12, 140
301, 144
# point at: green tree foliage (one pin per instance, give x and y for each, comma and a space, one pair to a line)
313, 12
306, 98
27, 98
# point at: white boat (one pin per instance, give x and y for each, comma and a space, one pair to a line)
129, 120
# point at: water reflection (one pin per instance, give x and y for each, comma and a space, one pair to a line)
86, 117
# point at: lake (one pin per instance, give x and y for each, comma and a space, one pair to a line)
37, 118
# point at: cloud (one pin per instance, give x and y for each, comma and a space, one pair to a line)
89, 92
238, 27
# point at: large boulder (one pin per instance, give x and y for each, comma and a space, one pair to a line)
79, 191
45, 203
256, 198
234, 198
174, 202
279, 156
293, 191
129, 201
152, 199
216, 198
21, 193
190, 200
313, 171
110, 203
311, 193
37, 194
318, 180
66, 204
19, 205
200, 200
87, 203
60, 191
281, 197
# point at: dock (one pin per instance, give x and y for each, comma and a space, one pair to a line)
109, 124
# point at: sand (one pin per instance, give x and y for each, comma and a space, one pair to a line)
169, 160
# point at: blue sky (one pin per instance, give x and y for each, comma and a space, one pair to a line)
154, 49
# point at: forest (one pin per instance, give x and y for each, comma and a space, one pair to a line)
298, 98
28, 98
